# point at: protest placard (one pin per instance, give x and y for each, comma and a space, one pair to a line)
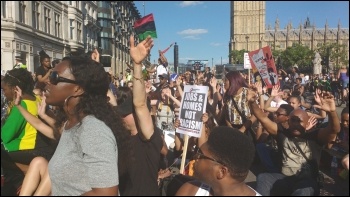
263, 66
193, 105
247, 64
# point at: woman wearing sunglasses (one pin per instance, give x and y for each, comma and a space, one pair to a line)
93, 138
21, 142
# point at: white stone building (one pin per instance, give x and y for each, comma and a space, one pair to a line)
60, 28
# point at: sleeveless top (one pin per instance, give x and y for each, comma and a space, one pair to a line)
344, 77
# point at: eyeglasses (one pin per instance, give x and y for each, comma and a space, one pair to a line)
200, 155
8, 74
55, 79
279, 114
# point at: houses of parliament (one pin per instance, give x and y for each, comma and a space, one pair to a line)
248, 30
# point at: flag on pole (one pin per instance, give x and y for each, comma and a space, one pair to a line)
165, 50
145, 26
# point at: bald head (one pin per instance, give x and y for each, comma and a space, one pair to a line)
300, 113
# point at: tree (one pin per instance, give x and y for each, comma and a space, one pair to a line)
333, 54
299, 55
238, 56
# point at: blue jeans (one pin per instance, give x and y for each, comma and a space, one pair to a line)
277, 184
268, 157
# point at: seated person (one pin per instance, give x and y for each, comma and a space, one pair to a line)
21, 142
221, 165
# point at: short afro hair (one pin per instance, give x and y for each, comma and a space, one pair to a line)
287, 107
233, 148
345, 110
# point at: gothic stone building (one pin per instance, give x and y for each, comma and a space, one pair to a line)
248, 30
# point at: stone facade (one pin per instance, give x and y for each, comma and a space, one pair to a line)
248, 30
60, 28
117, 19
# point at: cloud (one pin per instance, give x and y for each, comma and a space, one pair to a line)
190, 3
193, 32
215, 44
192, 37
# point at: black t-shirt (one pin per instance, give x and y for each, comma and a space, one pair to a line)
40, 71
292, 159
143, 170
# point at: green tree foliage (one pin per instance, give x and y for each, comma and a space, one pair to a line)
238, 56
297, 54
335, 53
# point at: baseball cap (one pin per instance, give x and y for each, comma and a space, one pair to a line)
165, 76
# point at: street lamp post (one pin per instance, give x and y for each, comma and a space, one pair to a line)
247, 38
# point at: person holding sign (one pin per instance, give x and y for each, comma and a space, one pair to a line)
221, 165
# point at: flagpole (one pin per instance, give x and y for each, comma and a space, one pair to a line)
143, 8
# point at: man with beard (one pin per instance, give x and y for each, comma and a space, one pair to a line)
221, 165
299, 150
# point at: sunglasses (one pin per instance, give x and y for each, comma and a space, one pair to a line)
7, 74
200, 155
55, 79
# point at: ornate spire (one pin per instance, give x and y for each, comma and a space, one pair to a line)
277, 23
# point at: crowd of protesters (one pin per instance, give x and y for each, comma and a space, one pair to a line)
75, 129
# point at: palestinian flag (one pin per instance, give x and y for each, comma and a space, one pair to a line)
145, 26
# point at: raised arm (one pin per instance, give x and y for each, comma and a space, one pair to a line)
269, 125
44, 78
328, 134
143, 116
31, 119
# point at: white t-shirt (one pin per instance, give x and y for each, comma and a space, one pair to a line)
161, 70
275, 104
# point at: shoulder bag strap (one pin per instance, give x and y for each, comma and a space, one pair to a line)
244, 118
302, 153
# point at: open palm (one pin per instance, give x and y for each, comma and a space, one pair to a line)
139, 53
327, 103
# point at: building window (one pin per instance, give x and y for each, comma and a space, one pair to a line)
3, 9
22, 11
78, 32
57, 25
71, 33
36, 14
47, 20
77, 4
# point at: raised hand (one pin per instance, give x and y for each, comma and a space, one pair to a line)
42, 106
327, 102
311, 123
317, 96
276, 91
18, 96
139, 52
95, 55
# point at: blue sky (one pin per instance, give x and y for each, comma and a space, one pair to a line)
201, 29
